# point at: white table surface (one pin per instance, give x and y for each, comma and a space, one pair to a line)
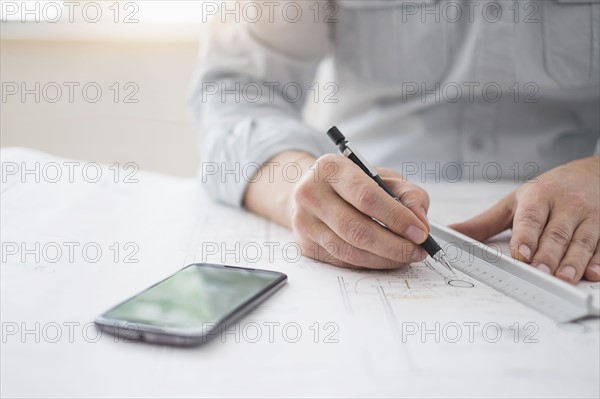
50, 349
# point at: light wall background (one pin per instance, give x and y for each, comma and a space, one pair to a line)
157, 132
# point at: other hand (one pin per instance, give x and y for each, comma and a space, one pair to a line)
555, 221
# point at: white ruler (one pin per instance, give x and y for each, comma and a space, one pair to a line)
540, 291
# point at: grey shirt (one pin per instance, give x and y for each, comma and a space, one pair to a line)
438, 90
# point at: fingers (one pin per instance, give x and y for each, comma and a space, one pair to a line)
341, 224
592, 271
531, 215
491, 222
348, 254
362, 232
412, 196
555, 240
333, 249
366, 196
579, 254
555, 233
333, 217
313, 250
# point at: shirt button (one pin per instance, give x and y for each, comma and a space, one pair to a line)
476, 143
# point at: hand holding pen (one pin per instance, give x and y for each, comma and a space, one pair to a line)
429, 245
332, 210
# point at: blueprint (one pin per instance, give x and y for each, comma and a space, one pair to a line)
416, 331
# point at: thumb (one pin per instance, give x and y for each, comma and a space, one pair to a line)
489, 223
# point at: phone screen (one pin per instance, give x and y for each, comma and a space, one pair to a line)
194, 296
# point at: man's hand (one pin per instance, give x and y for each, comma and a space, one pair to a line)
555, 221
333, 206
331, 211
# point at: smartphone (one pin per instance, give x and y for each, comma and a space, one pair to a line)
188, 307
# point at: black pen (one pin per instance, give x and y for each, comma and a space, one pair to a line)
430, 245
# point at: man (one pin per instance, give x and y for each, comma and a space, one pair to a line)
472, 83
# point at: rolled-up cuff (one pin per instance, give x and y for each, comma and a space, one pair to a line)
233, 159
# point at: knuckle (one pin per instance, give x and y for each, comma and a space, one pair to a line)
424, 196
419, 193
586, 241
303, 193
358, 232
366, 199
543, 190
396, 220
577, 201
559, 234
410, 200
531, 218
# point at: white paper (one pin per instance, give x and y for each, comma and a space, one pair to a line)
328, 332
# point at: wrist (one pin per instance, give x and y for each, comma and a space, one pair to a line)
272, 195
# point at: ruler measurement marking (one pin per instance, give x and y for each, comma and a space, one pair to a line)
554, 299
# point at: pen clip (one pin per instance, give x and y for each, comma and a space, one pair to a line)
362, 162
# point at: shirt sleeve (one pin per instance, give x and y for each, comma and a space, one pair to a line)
252, 82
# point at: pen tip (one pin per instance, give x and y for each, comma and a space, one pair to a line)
446, 263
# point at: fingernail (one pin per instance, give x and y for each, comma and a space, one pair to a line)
417, 256
525, 251
567, 272
544, 268
415, 234
595, 269
423, 211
